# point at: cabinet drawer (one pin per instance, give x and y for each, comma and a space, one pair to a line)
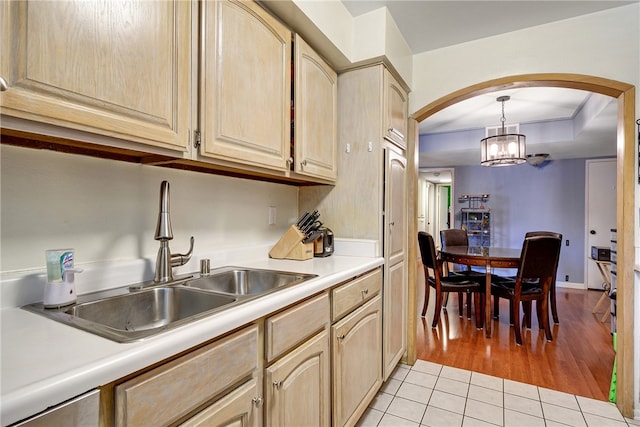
169, 392
294, 325
350, 295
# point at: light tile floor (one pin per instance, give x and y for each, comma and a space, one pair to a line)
428, 394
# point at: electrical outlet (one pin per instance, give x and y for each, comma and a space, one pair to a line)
272, 215
566, 277
566, 243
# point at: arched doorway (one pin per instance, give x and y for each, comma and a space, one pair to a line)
625, 94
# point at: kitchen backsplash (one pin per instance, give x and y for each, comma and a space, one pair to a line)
107, 210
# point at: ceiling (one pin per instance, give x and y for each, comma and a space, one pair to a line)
564, 123
428, 25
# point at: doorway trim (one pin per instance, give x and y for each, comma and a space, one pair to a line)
436, 186
625, 149
590, 268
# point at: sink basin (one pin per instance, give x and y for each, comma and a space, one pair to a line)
125, 316
137, 315
245, 281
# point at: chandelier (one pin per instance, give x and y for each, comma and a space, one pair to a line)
505, 149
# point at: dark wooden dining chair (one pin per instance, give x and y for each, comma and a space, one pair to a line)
552, 291
442, 283
458, 237
538, 266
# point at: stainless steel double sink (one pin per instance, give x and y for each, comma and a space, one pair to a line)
124, 316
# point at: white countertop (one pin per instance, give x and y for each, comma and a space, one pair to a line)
45, 362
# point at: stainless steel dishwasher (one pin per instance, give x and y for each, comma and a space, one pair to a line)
83, 411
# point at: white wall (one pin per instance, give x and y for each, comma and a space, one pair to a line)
377, 35
372, 35
604, 44
107, 210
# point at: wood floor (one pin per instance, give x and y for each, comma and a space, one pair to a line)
579, 360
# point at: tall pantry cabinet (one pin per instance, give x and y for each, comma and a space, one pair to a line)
369, 198
198, 85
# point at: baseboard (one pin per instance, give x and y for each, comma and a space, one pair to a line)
572, 285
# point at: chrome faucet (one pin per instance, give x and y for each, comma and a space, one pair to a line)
165, 260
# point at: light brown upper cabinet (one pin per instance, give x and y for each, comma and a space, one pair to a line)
316, 109
119, 69
246, 94
206, 85
245, 85
395, 111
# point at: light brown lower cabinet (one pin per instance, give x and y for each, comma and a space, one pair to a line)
175, 390
297, 385
291, 368
239, 408
357, 361
297, 389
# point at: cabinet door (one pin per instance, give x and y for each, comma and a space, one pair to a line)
297, 386
119, 69
357, 362
245, 85
316, 110
239, 408
395, 285
395, 317
395, 104
395, 206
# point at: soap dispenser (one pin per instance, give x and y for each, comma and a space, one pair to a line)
60, 289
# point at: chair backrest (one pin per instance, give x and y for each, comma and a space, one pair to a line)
428, 251
547, 234
539, 257
543, 233
454, 237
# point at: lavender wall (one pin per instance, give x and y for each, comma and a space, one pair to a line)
526, 198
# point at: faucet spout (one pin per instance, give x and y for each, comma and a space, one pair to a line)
165, 261
163, 227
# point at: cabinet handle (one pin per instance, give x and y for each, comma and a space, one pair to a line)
304, 162
257, 401
396, 131
365, 292
289, 160
277, 384
3, 85
341, 337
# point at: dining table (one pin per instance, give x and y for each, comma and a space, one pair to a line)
483, 256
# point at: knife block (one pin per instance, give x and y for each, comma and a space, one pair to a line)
290, 246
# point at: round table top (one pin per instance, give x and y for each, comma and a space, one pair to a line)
480, 255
